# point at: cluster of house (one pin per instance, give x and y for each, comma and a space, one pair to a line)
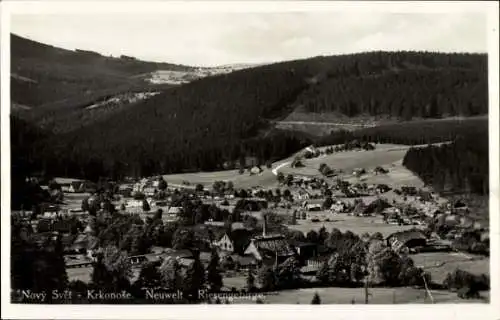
245, 249
74, 185
239, 249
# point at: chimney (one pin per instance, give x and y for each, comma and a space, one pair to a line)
264, 227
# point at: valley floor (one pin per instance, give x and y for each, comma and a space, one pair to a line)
438, 264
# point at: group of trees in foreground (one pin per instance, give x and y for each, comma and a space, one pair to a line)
350, 262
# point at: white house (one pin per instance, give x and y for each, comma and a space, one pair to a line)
338, 207
255, 170
225, 244
174, 210
134, 203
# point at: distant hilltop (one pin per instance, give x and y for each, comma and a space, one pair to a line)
180, 77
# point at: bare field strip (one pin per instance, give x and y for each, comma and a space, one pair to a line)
378, 296
439, 264
266, 179
82, 274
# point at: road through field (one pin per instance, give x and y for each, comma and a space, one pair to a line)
275, 170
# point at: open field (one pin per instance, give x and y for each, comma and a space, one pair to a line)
82, 274
439, 264
384, 155
85, 274
266, 179
343, 222
237, 281
245, 180
379, 296
397, 177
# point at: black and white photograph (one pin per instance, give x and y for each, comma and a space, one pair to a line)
238, 156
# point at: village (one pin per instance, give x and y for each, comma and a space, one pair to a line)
299, 217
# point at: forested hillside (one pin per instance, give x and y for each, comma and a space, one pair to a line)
203, 124
460, 167
403, 85
42, 74
25, 161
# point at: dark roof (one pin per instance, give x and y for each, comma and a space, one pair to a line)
273, 244
459, 204
405, 236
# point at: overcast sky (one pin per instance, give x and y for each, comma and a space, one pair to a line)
209, 39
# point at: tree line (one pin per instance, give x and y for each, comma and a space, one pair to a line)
410, 133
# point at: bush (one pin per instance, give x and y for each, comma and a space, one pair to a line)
466, 284
416, 276
470, 242
468, 293
316, 299
297, 163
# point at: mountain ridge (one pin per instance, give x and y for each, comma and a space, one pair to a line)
226, 117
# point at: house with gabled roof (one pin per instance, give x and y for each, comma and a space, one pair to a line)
269, 249
234, 242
